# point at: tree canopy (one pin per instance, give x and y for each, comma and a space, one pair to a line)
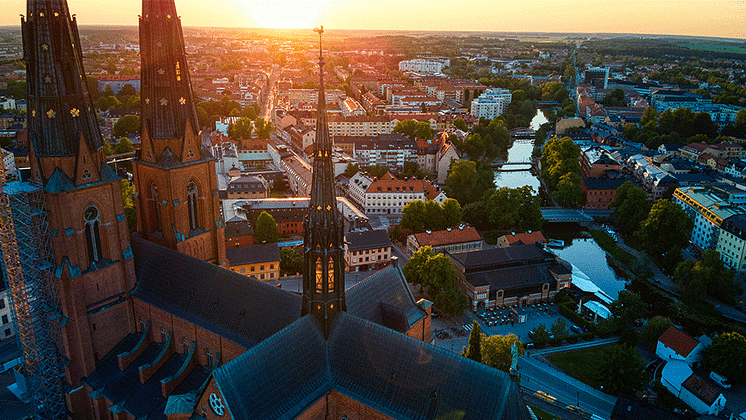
467, 181
266, 229
240, 129
414, 129
506, 208
726, 356
419, 216
128, 124
559, 158
474, 349
665, 232
708, 276
496, 351
290, 261
621, 369
631, 207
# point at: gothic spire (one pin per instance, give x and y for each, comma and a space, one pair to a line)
323, 272
168, 110
60, 110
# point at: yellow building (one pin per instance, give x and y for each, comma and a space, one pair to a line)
732, 242
260, 261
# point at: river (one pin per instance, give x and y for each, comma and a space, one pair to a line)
583, 253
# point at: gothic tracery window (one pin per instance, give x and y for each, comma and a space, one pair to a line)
319, 276
330, 276
156, 208
192, 195
92, 221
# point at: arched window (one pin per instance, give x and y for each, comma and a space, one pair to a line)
192, 195
209, 357
330, 276
92, 221
319, 276
156, 208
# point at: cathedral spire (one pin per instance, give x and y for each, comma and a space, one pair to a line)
60, 110
323, 268
169, 115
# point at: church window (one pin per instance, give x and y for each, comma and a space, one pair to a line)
86, 174
156, 208
178, 72
92, 220
330, 275
186, 346
319, 276
163, 335
209, 357
192, 194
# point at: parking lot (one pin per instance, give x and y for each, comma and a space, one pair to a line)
495, 322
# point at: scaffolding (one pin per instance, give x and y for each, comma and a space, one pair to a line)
26, 254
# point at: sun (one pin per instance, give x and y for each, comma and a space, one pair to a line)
284, 13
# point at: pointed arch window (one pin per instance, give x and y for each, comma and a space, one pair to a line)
92, 221
319, 276
330, 276
192, 195
178, 71
156, 208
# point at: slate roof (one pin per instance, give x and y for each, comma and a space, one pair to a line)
678, 341
397, 375
628, 408
209, 296
252, 254
385, 298
514, 280
502, 257
238, 227
368, 239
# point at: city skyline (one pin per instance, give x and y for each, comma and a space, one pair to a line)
719, 18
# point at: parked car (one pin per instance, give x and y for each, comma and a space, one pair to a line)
720, 379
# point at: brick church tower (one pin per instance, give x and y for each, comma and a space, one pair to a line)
92, 258
177, 201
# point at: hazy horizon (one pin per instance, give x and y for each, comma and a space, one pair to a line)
716, 18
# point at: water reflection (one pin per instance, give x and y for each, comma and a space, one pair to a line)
586, 255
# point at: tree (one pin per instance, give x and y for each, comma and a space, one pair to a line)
128, 192
413, 268
655, 327
107, 148
631, 207
263, 128
434, 215
406, 127
290, 261
460, 124
739, 124
351, 170
708, 276
559, 328
240, 129
438, 274
413, 216
726, 356
266, 229
560, 157
513, 207
377, 171
128, 124
474, 349
621, 370
124, 145
452, 302
569, 191
667, 227
467, 181
126, 90
540, 335
628, 307
451, 212
423, 130
496, 351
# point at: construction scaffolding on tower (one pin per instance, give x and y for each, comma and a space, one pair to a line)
26, 259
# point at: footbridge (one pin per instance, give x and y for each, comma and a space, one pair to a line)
561, 214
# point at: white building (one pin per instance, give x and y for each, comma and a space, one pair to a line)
388, 195
425, 65
702, 397
9, 162
675, 344
491, 103
708, 209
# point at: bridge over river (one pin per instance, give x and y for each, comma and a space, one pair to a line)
561, 214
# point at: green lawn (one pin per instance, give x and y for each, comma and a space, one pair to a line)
607, 244
576, 363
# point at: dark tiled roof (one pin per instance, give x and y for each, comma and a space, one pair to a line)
628, 408
368, 239
397, 375
701, 389
278, 378
253, 254
736, 225
502, 257
238, 227
384, 298
221, 301
514, 280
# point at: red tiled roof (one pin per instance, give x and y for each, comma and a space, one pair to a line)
444, 237
526, 238
701, 389
678, 341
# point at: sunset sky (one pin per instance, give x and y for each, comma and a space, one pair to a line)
721, 18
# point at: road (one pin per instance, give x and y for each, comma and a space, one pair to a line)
268, 99
537, 374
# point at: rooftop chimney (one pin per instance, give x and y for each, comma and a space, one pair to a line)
395, 261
